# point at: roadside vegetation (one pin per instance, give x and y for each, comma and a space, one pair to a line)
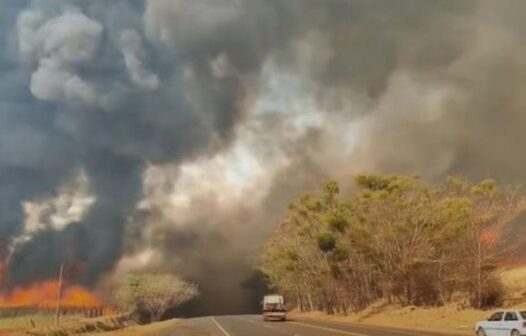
170, 327
147, 297
139, 299
395, 239
44, 325
40, 321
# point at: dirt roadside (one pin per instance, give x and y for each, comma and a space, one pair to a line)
447, 320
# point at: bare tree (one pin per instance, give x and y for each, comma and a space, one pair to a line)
392, 237
151, 296
491, 210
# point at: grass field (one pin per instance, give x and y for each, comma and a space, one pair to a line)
148, 330
442, 319
514, 281
44, 325
37, 321
26, 321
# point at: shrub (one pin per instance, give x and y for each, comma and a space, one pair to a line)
147, 297
492, 293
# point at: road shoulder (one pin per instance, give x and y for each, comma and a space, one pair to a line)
399, 326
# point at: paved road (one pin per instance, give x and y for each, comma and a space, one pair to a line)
252, 325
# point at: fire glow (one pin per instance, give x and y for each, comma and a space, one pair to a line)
45, 295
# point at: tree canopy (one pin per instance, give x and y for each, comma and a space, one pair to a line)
392, 237
149, 296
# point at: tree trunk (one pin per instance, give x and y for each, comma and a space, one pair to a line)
59, 294
479, 282
311, 305
440, 282
300, 302
408, 289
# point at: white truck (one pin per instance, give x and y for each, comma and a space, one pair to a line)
274, 308
503, 323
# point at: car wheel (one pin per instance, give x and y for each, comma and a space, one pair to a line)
481, 332
515, 333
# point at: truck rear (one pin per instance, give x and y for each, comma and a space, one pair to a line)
274, 308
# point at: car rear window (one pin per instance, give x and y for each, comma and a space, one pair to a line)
523, 315
511, 316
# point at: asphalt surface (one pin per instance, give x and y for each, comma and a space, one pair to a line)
253, 325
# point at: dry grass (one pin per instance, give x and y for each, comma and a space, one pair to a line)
26, 321
514, 281
44, 325
442, 319
148, 330
448, 319
104, 326
14, 325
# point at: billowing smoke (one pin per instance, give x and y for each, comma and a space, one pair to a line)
107, 89
170, 134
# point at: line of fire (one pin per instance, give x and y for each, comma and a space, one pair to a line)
49, 297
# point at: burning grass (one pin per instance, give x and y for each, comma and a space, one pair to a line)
31, 310
45, 295
42, 298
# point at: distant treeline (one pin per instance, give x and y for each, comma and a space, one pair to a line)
395, 238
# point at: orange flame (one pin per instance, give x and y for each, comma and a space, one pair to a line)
489, 237
44, 295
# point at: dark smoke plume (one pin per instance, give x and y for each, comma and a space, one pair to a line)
106, 88
193, 122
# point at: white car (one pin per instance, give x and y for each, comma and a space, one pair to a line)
503, 323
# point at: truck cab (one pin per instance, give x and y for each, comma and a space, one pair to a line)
274, 308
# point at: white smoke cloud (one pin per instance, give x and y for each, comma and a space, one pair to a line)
71, 203
53, 81
58, 46
225, 193
134, 53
